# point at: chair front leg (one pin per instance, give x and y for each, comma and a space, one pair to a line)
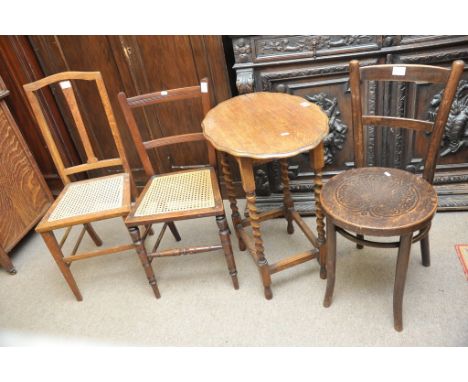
400, 279
56, 252
141, 251
331, 262
227, 248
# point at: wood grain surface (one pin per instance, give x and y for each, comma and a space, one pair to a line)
265, 125
23, 197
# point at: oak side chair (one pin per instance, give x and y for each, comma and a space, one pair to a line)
380, 201
83, 201
179, 195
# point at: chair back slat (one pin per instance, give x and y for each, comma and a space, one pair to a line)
166, 141
67, 90
404, 73
92, 162
164, 96
128, 104
407, 123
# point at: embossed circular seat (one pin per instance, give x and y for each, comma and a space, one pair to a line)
379, 201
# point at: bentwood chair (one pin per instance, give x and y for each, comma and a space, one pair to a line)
380, 201
82, 201
180, 195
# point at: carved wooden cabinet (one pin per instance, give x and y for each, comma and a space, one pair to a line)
316, 68
24, 196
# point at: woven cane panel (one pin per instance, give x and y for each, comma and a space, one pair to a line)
89, 197
179, 192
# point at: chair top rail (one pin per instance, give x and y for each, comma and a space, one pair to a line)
63, 76
164, 96
405, 73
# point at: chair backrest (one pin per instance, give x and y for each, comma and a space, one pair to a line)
92, 163
404, 73
127, 104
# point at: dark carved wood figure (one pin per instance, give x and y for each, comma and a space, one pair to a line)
382, 201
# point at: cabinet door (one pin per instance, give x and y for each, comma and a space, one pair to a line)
421, 101
24, 196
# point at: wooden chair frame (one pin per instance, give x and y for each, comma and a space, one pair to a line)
400, 73
46, 228
132, 221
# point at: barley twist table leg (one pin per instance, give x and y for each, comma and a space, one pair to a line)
287, 198
317, 156
236, 218
248, 182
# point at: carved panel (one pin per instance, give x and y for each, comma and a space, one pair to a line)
311, 46
242, 50
436, 57
269, 78
336, 137
245, 81
456, 130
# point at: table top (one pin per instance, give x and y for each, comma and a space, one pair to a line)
265, 125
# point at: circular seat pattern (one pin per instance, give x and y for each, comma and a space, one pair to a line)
381, 201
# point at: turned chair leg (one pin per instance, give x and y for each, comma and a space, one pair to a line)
331, 263
287, 198
226, 243
400, 278
93, 234
360, 237
174, 231
56, 252
425, 251
141, 251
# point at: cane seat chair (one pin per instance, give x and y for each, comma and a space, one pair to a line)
81, 201
179, 195
381, 201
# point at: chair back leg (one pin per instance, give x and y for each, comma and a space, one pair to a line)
425, 251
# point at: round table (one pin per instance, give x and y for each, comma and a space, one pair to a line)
260, 127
